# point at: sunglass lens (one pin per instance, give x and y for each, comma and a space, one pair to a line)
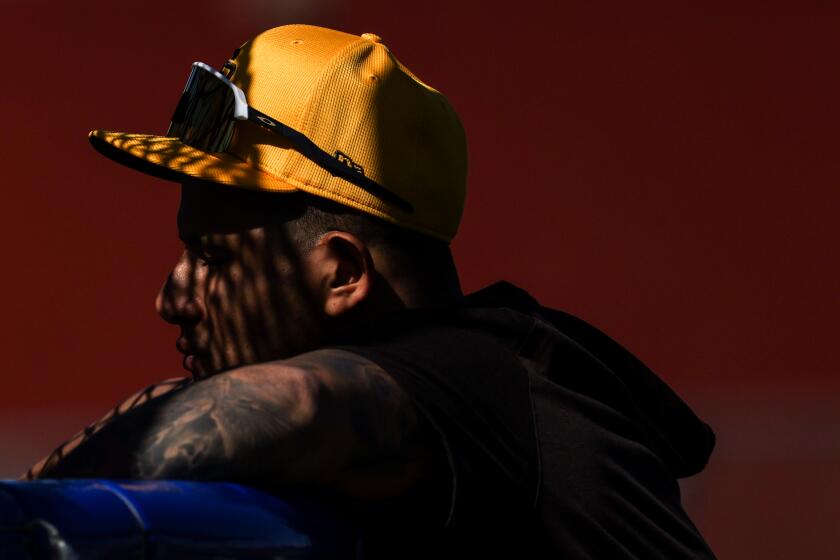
203, 118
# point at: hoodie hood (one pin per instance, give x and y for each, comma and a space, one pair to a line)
670, 428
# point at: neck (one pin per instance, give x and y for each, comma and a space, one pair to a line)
418, 281
437, 295
390, 297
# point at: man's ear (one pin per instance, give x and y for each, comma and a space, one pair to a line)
344, 267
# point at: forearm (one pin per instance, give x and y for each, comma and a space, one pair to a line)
204, 432
47, 466
296, 423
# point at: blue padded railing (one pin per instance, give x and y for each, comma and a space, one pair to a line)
98, 519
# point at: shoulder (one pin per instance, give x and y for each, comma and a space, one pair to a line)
329, 375
312, 387
328, 361
329, 367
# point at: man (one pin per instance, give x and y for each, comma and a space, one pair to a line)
332, 352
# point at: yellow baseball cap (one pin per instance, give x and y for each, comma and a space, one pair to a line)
352, 98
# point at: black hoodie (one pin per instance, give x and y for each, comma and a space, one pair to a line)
560, 443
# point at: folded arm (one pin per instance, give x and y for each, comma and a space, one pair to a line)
326, 419
139, 399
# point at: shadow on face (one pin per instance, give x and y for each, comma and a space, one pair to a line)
243, 290
265, 276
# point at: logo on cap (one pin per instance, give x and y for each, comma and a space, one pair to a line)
348, 161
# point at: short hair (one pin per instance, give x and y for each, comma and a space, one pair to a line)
412, 254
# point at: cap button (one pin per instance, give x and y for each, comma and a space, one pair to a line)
372, 37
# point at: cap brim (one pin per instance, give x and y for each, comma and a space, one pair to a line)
170, 159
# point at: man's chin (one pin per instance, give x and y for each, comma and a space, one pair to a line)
198, 367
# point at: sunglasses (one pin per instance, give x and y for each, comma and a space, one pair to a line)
210, 106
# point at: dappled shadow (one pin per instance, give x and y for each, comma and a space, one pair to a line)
236, 339
138, 399
240, 294
245, 268
170, 159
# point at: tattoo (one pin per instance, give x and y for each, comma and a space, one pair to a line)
301, 421
45, 467
329, 418
226, 421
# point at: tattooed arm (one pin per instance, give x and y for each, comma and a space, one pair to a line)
136, 400
328, 419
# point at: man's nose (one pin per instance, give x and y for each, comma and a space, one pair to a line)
179, 299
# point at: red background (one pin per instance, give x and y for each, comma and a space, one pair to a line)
667, 172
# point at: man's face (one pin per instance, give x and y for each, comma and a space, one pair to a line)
241, 290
